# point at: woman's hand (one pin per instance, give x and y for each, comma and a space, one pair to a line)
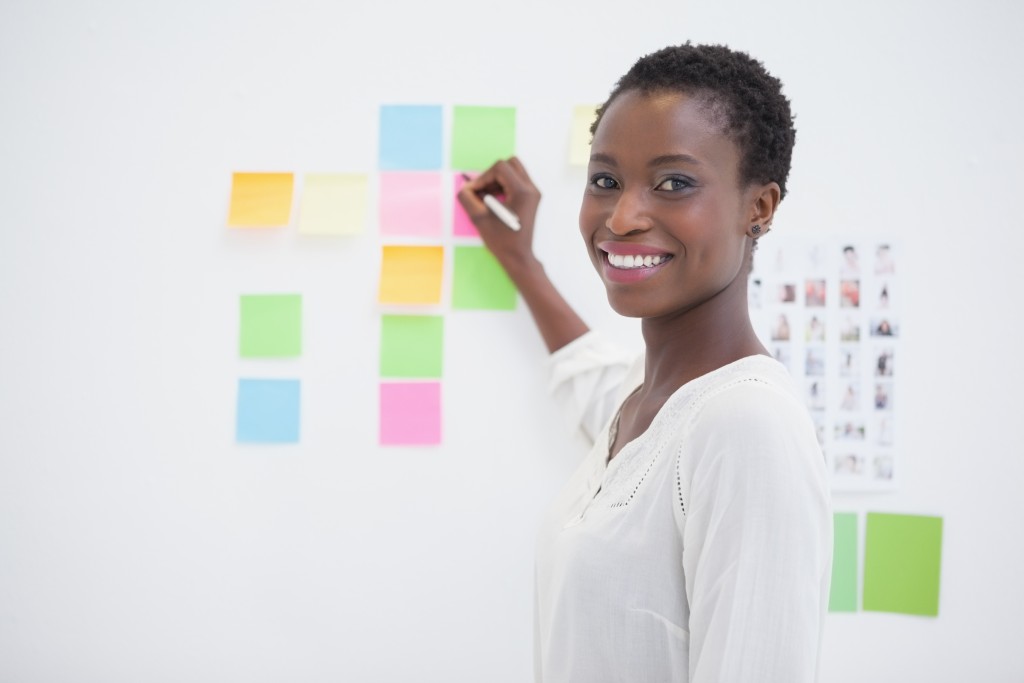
508, 180
556, 320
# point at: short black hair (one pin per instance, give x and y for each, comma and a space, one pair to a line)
754, 113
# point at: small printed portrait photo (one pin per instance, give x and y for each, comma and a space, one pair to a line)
883, 327
818, 419
881, 467
884, 264
816, 393
881, 430
850, 399
782, 353
815, 329
814, 363
787, 293
814, 289
815, 257
849, 293
777, 258
849, 360
883, 396
850, 331
848, 464
883, 363
780, 330
882, 300
850, 431
754, 293
850, 265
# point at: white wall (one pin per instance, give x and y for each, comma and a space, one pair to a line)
139, 543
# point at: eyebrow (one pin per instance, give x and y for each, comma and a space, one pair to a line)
656, 161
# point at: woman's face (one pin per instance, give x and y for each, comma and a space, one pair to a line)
663, 216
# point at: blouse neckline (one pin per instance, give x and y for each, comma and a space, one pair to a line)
613, 427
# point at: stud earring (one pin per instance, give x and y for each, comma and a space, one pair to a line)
756, 230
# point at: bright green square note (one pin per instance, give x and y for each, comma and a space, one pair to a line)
481, 136
411, 346
480, 283
902, 561
270, 326
843, 597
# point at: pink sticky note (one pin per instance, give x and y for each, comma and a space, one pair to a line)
461, 225
410, 413
410, 203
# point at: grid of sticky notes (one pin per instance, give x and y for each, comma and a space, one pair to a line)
902, 561
331, 203
431, 257
268, 409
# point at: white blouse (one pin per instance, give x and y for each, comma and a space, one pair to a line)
702, 552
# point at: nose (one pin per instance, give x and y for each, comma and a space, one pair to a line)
629, 215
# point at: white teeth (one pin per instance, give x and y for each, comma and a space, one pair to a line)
635, 261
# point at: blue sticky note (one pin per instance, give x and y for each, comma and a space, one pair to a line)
268, 411
410, 137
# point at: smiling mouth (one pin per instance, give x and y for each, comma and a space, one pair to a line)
635, 261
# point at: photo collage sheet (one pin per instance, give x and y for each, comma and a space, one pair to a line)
827, 310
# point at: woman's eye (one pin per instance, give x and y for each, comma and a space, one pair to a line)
673, 184
604, 182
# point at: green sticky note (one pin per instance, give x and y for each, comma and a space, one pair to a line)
481, 136
480, 283
902, 560
843, 597
270, 326
411, 346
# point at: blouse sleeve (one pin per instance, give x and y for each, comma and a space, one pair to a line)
586, 378
757, 538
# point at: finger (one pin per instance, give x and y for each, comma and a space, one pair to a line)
487, 179
471, 201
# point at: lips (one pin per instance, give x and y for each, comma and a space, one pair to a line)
635, 260
625, 256
626, 263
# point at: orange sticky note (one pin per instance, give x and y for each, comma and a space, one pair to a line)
411, 275
260, 200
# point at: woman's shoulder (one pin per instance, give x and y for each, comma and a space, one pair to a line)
751, 379
755, 395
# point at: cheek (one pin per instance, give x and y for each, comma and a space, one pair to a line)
590, 218
586, 220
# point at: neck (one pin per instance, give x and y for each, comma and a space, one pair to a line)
692, 343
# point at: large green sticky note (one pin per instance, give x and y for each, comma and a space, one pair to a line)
270, 326
902, 560
411, 346
481, 136
480, 283
843, 597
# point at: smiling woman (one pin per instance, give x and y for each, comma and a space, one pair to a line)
694, 541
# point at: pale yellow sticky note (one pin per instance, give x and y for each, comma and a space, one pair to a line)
579, 136
260, 200
411, 275
333, 204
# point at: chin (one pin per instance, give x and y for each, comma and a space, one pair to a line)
630, 309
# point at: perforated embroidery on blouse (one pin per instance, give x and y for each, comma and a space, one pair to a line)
633, 463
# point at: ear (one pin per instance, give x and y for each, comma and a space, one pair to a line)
764, 199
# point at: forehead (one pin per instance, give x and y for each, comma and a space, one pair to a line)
664, 123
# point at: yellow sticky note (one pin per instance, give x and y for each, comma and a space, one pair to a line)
260, 200
583, 116
411, 275
333, 204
